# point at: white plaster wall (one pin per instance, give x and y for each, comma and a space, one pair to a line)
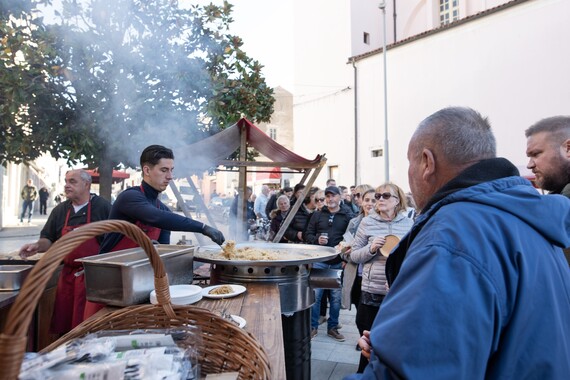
412, 17
512, 66
323, 102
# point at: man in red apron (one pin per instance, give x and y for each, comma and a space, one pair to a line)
140, 205
81, 208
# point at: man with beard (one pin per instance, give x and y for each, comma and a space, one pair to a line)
479, 287
548, 149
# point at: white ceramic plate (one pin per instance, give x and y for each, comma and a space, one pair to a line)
238, 289
239, 320
181, 294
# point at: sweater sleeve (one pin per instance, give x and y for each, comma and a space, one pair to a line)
136, 207
361, 247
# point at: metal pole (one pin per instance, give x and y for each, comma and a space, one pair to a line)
386, 151
356, 165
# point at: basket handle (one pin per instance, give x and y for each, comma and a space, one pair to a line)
21, 312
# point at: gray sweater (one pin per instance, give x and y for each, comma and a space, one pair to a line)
374, 269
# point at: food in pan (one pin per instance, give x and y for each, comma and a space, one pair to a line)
260, 252
224, 289
247, 253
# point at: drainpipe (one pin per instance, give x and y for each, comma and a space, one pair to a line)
382, 6
356, 165
394, 14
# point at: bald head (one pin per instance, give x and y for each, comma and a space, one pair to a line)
444, 144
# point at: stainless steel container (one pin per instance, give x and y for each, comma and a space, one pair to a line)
125, 278
13, 276
291, 271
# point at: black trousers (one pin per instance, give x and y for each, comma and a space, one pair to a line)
365, 315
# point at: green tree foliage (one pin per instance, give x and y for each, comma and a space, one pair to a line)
124, 74
34, 109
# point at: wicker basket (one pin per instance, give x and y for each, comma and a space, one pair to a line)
225, 346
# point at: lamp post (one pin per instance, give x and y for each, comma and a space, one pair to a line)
386, 151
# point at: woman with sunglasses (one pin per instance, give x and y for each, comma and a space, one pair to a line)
364, 199
388, 218
319, 200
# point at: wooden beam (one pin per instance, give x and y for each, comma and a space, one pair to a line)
293, 210
185, 211
264, 164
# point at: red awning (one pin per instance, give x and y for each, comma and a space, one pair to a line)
274, 173
208, 152
118, 176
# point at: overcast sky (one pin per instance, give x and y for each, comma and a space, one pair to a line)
266, 27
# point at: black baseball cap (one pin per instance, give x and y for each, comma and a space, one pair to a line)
333, 190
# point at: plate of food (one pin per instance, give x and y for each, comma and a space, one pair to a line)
223, 291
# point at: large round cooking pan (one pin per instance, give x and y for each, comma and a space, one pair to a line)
288, 254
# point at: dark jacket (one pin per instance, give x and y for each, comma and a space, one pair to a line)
333, 224
141, 204
271, 204
298, 224
277, 219
44, 194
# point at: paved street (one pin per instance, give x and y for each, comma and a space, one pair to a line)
330, 359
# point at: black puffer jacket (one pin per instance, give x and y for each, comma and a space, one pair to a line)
298, 224
333, 224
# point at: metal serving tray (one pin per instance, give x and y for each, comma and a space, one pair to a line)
125, 278
13, 276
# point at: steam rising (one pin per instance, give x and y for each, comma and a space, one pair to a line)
139, 70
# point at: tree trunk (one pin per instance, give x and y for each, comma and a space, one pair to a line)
105, 177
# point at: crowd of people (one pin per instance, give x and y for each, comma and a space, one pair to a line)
480, 250
478, 286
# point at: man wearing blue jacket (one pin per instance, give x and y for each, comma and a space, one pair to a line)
479, 288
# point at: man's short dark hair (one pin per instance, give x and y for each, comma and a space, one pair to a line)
557, 126
154, 153
298, 187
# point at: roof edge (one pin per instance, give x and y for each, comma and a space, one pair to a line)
439, 29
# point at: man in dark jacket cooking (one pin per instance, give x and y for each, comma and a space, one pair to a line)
327, 227
140, 205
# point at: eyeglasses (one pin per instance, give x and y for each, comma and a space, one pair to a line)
320, 199
357, 195
331, 219
386, 196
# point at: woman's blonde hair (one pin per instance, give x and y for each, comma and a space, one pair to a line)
395, 189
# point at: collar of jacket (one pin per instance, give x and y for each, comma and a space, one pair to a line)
483, 171
374, 215
149, 191
565, 191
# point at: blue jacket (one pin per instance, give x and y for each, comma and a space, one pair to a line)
483, 292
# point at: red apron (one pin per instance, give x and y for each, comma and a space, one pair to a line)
125, 243
70, 295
